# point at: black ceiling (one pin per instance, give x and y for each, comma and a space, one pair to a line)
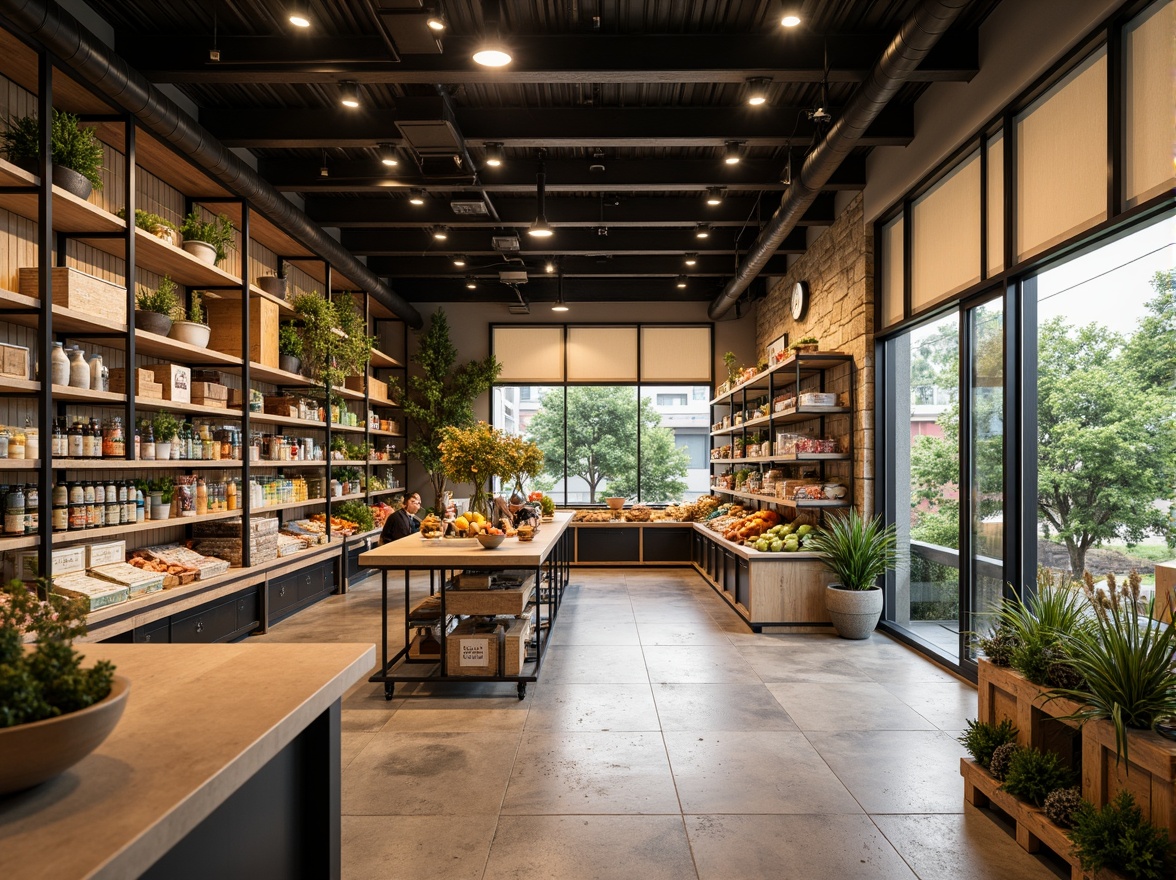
629, 103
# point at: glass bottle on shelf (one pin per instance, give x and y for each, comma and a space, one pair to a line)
60, 507
87, 440
113, 508
16, 445
77, 507
119, 440
201, 497
32, 522
96, 373
147, 446
32, 439
5, 439
99, 504
75, 441
91, 510
60, 444
14, 511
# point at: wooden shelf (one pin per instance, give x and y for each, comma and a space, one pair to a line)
384, 361
78, 395
356, 496
166, 348
376, 492
19, 464
277, 465
103, 464
19, 386
786, 459
783, 502
288, 505
15, 542
809, 363
73, 537
346, 428
268, 419
376, 433
68, 321
70, 214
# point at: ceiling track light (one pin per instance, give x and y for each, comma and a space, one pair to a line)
757, 95
494, 155
681, 282
790, 19
733, 152
459, 260
702, 230
388, 155
416, 197
298, 15
435, 21
559, 306
691, 259
471, 282
714, 195
541, 228
349, 94
440, 233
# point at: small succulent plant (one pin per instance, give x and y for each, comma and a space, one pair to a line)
1061, 804
1001, 756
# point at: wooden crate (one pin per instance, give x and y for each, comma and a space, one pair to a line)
475, 649
224, 316
1005, 693
1165, 604
176, 381
14, 361
77, 290
145, 384
1150, 774
506, 602
210, 394
1033, 828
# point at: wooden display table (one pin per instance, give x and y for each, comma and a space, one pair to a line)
547, 557
226, 758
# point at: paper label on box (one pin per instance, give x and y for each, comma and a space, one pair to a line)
475, 652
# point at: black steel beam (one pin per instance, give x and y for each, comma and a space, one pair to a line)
413, 242
549, 58
334, 127
563, 175
544, 290
606, 210
619, 265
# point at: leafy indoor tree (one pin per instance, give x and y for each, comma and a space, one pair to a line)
440, 395
602, 443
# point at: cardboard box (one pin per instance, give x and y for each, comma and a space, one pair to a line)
474, 648
137, 581
77, 290
67, 560
176, 381
97, 592
14, 361
107, 553
506, 602
210, 394
224, 316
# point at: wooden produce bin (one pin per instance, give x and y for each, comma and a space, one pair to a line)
210, 394
77, 290
508, 601
1005, 693
1165, 605
476, 649
145, 384
1149, 774
224, 316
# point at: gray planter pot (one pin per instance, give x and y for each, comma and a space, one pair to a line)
854, 613
152, 322
201, 250
72, 182
273, 285
289, 363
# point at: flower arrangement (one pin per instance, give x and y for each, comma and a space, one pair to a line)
475, 455
47, 681
526, 459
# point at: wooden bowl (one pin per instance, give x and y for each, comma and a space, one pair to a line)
614, 503
32, 753
490, 541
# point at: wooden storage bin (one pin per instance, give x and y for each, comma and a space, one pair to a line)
473, 648
511, 602
224, 316
145, 384
176, 381
210, 394
1005, 693
14, 361
77, 290
1150, 774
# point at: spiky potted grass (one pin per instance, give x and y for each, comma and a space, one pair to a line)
1127, 664
858, 552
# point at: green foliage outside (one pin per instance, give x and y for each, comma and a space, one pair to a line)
439, 395
602, 428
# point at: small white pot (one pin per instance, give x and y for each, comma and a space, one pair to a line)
160, 511
191, 333
162, 450
202, 251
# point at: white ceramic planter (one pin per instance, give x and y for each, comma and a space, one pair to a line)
191, 333
163, 450
202, 251
854, 613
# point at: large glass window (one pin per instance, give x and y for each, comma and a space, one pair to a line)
646, 443
1106, 405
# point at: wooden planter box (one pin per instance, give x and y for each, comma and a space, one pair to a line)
224, 317
1165, 602
1005, 693
77, 290
1150, 775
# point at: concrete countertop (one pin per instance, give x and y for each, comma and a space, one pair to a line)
200, 720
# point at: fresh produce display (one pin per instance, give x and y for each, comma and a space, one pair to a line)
782, 538
338, 524
471, 524
380, 514
359, 514
432, 527
752, 526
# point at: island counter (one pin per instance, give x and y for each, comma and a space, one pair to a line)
225, 763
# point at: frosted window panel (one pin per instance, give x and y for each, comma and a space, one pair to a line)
996, 204
1148, 42
676, 354
602, 354
945, 236
533, 355
892, 232
1062, 159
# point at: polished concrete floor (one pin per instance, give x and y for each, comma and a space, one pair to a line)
663, 740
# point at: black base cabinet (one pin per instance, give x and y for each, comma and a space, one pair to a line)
294, 591
220, 621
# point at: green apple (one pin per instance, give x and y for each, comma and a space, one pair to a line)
777, 546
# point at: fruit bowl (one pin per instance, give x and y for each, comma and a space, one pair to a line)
614, 503
490, 541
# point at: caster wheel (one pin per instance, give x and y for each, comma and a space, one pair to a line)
522, 689
389, 691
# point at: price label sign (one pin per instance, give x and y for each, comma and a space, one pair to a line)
475, 652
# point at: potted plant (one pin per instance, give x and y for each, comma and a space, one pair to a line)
858, 552
733, 371
208, 242
162, 229
274, 285
76, 151
161, 489
154, 308
52, 711
194, 331
166, 427
289, 348
808, 343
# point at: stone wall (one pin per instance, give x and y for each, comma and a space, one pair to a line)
839, 270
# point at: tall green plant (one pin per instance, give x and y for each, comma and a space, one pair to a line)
856, 550
71, 146
1037, 627
217, 232
440, 394
1128, 665
354, 348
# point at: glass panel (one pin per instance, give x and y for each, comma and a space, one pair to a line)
926, 477
986, 470
675, 442
512, 409
1147, 43
1106, 389
945, 236
995, 196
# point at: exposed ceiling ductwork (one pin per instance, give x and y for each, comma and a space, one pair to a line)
911, 45
75, 46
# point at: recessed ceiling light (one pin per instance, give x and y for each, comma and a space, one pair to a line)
459, 260
691, 259
681, 282
714, 195
299, 16
416, 197
494, 155
758, 93
388, 155
702, 231
471, 283
492, 52
733, 152
440, 233
790, 20
349, 95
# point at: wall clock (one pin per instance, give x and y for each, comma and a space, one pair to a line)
800, 298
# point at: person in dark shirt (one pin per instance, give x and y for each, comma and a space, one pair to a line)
403, 522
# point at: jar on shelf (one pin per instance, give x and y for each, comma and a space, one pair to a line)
16, 445
79, 370
59, 365
96, 373
14, 511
